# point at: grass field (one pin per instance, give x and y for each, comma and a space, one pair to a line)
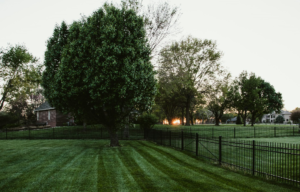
233, 131
90, 165
291, 140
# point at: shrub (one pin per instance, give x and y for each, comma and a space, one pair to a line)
6, 118
147, 121
279, 119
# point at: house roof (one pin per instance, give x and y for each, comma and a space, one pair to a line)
232, 119
44, 106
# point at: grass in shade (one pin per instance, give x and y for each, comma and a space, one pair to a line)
90, 165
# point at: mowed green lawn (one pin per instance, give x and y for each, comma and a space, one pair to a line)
291, 140
90, 165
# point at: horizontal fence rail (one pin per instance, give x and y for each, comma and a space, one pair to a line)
71, 132
276, 161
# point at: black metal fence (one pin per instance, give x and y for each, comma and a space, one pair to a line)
243, 132
71, 132
276, 161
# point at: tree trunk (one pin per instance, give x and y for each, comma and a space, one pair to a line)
182, 115
252, 119
187, 111
114, 141
245, 116
169, 120
126, 129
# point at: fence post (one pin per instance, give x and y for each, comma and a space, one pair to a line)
182, 146
170, 136
274, 131
220, 150
6, 133
197, 141
233, 132
253, 156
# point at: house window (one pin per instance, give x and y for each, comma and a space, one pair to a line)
287, 120
48, 115
37, 115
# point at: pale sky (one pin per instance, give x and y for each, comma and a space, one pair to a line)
260, 36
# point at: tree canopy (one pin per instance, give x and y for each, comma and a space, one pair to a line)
295, 115
19, 72
103, 69
192, 65
251, 94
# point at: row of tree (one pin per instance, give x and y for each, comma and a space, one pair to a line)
99, 69
190, 77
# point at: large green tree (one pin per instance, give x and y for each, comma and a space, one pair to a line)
194, 64
104, 71
20, 73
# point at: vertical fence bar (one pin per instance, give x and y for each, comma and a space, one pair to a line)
233, 132
220, 150
254, 131
53, 132
253, 157
274, 131
212, 132
197, 142
182, 146
29, 133
293, 131
6, 133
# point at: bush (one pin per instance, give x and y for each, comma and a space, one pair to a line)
279, 119
6, 119
147, 121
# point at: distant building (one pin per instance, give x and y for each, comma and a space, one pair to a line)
270, 118
48, 114
232, 120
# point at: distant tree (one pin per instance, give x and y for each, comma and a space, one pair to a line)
104, 70
279, 119
218, 98
19, 73
160, 20
295, 115
194, 64
252, 95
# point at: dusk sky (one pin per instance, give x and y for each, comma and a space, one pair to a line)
257, 36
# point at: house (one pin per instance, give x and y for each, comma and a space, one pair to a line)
232, 120
46, 113
270, 118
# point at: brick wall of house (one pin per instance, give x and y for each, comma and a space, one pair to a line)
43, 117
